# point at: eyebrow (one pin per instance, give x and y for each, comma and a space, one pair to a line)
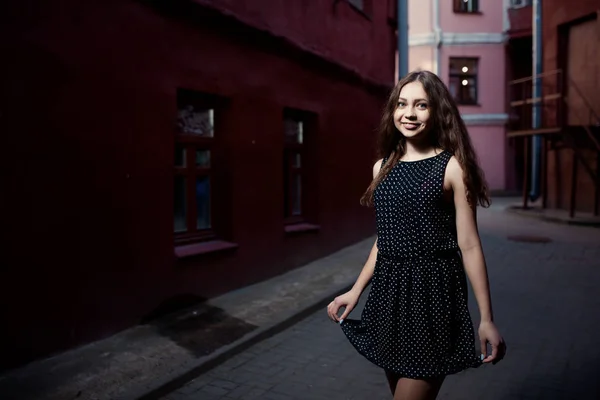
402, 98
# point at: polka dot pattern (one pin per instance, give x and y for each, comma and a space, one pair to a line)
416, 321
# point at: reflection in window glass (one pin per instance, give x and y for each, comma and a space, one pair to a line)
294, 131
202, 158
297, 161
203, 202
180, 212
463, 80
297, 195
466, 6
194, 121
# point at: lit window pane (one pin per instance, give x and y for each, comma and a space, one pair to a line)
179, 155
297, 195
180, 211
194, 121
468, 92
203, 202
294, 131
203, 158
463, 79
462, 66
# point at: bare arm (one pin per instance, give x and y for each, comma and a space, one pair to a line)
469, 241
367, 272
474, 262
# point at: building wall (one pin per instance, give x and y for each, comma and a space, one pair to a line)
481, 36
489, 20
421, 57
558, 18
486, 120
420, 17
332, 29
490, 79
555, 13
88, 113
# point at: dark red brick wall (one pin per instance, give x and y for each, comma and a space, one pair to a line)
557, 15
333, 29
520, 21
87, 114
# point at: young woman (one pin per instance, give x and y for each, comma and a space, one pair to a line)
425, 189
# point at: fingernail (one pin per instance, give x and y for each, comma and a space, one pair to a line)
341, 320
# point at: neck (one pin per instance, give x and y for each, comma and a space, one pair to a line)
417, 148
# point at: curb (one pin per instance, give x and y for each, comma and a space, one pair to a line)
518, 211
219, 356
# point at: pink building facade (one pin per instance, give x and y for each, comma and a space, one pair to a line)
464, 43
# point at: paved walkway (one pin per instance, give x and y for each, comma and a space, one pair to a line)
546, 300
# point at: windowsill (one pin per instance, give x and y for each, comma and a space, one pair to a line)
211, 246
520, 6
468, 12
301, 228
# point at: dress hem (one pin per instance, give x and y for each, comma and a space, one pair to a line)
403, 372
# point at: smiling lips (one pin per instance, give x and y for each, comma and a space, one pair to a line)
411, 125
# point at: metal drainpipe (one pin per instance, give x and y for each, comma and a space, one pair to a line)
402, 38
536, 148
437, 34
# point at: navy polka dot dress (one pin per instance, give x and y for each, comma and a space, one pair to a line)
416, 321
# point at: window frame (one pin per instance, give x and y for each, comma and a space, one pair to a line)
464, 75
308, 150
521, 3
192, 143
457, 9
290, 149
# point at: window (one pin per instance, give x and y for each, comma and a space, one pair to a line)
520, 3
466, 6
463, 80
195, 145
293, 158
300, 185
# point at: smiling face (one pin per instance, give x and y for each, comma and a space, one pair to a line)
412, 113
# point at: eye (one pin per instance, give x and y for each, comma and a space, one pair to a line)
422, 106
401, 104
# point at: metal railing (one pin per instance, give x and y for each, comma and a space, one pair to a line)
553, 105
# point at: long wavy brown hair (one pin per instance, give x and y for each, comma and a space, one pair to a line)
447, 131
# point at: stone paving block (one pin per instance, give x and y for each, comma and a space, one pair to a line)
545, 303
213, 390
246, 392
224, 384
270, 395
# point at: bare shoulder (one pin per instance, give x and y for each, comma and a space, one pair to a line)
454, 171
377, 167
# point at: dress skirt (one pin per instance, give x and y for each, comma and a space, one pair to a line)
416, 320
